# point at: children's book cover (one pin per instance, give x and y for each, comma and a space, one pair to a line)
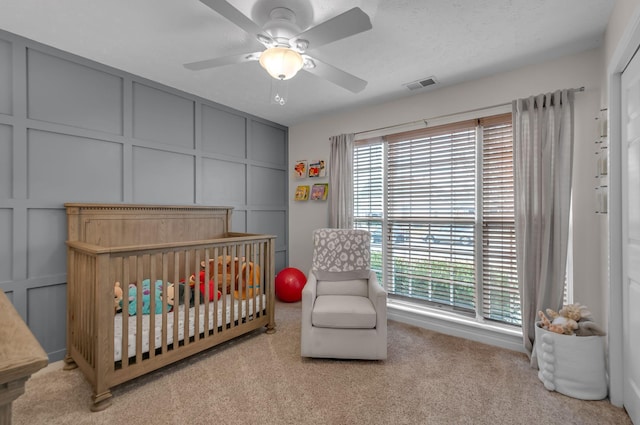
319, 192
300, 169
317, 168
302, 193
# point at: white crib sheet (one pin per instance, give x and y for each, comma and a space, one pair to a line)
245, 305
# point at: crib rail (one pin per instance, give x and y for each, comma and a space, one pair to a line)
240, 266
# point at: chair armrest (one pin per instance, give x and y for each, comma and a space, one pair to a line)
309, 297
378, 296
310, 287
375, 289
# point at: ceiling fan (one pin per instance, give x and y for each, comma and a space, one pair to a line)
286, 45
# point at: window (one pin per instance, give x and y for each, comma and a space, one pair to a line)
439, 205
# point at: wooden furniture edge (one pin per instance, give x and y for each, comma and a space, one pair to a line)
21, 355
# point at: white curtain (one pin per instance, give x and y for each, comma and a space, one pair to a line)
543, 157
341, 182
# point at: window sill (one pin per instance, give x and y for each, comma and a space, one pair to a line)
452, 324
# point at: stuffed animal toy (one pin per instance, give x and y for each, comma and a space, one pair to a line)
583, 318
589, 328
182, 288
117, 297
213, 293
231, 270
575, 312
572, 319
171, 295
223, 267
550, 326
146, 300
565, 322
244, 288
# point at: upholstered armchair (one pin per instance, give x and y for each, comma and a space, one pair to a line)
344, 308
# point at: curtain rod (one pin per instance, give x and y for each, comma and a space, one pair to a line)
578, 89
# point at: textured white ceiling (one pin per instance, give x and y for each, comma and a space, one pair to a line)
452, 40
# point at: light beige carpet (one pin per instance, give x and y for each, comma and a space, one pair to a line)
429, 378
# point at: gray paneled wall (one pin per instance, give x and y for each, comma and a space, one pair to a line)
72, 130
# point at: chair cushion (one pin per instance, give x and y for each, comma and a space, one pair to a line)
359, 287
343, 312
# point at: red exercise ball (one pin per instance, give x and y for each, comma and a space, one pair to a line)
289, 284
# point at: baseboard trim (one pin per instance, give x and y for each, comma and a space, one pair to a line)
455, 325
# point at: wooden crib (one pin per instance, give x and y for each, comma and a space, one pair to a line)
166, 247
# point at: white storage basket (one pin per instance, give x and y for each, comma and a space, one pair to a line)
572, 365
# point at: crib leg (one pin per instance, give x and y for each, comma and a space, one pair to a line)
69, 363
271, 328
101, 401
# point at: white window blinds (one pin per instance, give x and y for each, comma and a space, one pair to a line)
431, 201
445, 230
368, 180
500, 294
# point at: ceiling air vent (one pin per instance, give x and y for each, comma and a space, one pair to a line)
426, 82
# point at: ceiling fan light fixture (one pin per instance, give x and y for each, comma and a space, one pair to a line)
281, 63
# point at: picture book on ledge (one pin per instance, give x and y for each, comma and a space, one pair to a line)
302, 193
317, 168
300, 169
319, 192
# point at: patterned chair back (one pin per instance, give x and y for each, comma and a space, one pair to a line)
341, 254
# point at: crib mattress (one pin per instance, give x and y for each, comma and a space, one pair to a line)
241, 307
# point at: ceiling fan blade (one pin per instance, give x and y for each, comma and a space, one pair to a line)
234, 15
223, 61
351, 22
336, 76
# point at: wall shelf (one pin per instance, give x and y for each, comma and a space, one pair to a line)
602, 164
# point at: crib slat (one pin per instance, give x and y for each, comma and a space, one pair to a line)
176, 296
176, 299
262, 278
187, 271
139, 327
225, 288
217, 284
255, 279
196, 296
208, 289
152, 306
234, 281
125, 312
265, 271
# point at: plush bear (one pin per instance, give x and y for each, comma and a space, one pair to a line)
233, 270
224, 267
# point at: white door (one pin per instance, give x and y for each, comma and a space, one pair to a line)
631, 236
